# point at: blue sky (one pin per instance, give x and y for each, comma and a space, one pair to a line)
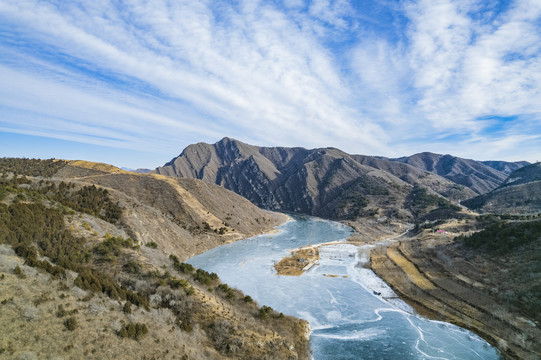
134, 82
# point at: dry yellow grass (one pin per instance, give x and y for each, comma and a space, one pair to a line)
191, 201
412, 273
99, 166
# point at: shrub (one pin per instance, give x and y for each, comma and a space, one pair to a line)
265, 312
17, 271
132, 267
177, 283
61, 311
186, 326
71, 323
127, 308
112, 246
205, 277
181, 267
206, 226
151, 245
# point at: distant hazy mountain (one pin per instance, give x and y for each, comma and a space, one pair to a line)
325, 182
142, 171
139, 171
505, 166
520, 193
476, 175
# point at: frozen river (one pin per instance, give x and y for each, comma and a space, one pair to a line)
336, 296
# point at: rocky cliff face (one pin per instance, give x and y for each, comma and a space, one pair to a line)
325, 182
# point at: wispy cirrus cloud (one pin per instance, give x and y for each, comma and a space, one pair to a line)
162, 74
463, 70
470, 67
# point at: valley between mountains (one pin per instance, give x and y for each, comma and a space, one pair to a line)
87, 248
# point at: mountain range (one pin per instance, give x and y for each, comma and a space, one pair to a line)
330, 183
479, 176
119, 238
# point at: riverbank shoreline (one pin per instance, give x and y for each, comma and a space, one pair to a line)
442, 293
420, 278
414, 286
342, 310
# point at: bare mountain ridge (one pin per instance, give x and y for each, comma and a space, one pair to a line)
506, 166
525, 175
481, 177
325, 182
519, 194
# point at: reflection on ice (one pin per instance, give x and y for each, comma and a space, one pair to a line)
337, 297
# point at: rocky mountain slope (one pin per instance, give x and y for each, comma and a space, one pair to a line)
91, 267
481, 177
484, 281
323, 182
519, 194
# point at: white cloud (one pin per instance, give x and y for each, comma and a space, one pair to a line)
185, 71
255, 70
333, 12
453, 69
465, 69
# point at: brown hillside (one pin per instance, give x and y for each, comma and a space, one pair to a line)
91, 267
323, 182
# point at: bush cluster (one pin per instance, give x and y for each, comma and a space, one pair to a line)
31, 167
504, 237
133, 331
32, 228
229, 293
419, 199
265, 312
204, 277
111, 247
90, 279
179, 266
71, 323
89, 199
151, 245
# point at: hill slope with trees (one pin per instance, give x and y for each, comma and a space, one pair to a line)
91, 266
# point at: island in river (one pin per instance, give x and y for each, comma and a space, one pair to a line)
347, 318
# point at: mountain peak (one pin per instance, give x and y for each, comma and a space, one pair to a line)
325, 182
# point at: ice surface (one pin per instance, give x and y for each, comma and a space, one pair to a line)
348, 321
